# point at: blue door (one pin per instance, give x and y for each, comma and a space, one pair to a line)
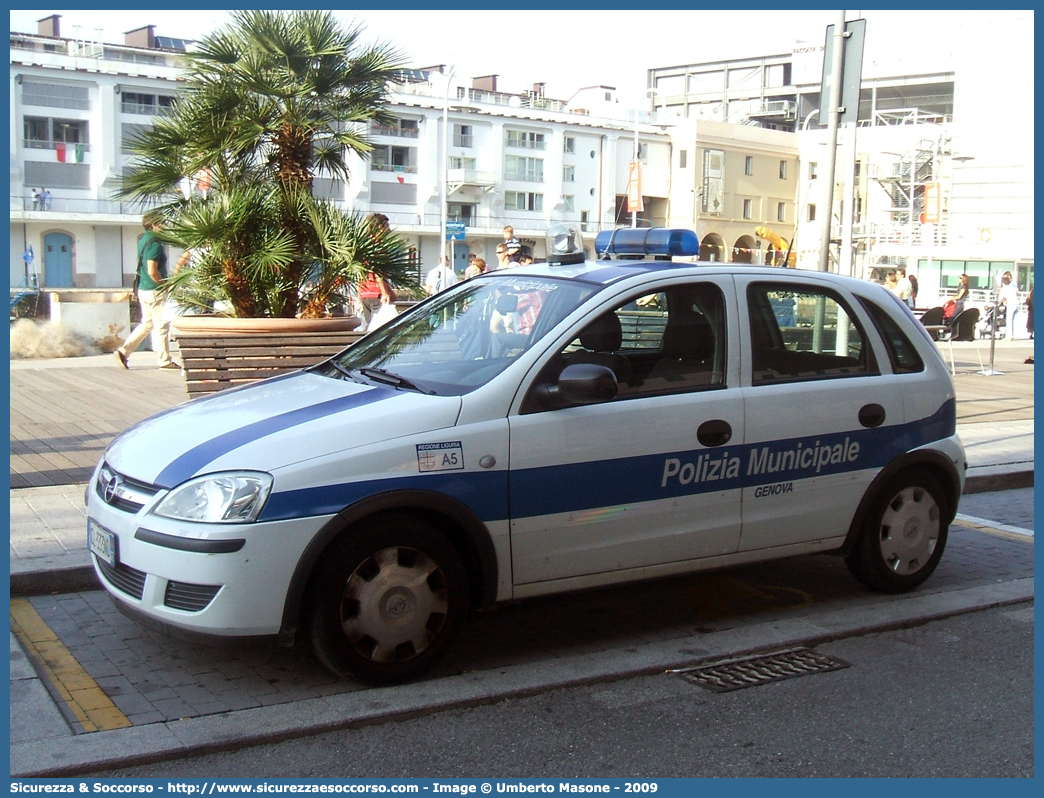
58, 260
460, 257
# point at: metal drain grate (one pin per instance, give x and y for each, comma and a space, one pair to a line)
761, 669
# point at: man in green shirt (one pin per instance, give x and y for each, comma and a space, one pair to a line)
152, 274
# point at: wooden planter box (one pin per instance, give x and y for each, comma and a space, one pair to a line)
219, 356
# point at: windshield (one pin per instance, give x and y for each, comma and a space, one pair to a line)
464, 337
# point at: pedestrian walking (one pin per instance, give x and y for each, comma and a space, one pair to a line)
152, 274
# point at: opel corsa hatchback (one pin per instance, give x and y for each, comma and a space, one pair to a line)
536, 430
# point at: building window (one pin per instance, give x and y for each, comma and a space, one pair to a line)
392, 159
460, 162
47, 134
569, 202
585, 220
132, 102
462, 136
782, 170
136, 102
525, 140
781, 212
523, 201
748, 167
813, 170
811, 213
568, 174
569, 144
748, 206
405, 128
683, 159
462, 212
517, 167
55, 95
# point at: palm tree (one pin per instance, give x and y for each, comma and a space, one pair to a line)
270, 102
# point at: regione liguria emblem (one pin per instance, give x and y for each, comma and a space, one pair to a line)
446, 456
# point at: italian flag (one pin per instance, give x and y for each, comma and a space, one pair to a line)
69, 153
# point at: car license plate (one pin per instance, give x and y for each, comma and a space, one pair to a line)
101, 542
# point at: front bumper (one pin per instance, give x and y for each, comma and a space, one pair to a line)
217, 580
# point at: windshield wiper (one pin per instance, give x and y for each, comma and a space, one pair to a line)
386, 377
346, 373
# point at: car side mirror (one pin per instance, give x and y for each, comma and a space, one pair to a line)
584, 384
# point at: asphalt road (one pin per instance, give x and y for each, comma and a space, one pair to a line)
952, 698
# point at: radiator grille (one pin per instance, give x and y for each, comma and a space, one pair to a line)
124, 578
189, 597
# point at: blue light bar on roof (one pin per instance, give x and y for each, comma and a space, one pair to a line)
647, 242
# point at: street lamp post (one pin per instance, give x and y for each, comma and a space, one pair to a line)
444, 171
635, 165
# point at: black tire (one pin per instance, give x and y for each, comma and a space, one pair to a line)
903, 535
389, 597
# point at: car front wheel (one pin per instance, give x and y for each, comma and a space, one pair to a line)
389, 598
903, 534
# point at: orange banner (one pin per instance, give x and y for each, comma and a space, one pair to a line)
634, 189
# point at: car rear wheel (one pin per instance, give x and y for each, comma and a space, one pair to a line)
389, 599
903, 535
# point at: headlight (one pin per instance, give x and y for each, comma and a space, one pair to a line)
232, 498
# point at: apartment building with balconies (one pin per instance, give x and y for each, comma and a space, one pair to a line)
506, 158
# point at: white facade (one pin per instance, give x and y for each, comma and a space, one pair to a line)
513, 159
947, 130
72, 105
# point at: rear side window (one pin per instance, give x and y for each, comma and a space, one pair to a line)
902, 354
804, 333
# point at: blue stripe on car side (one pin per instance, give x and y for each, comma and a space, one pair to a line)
484, 492
196, 458
578, 487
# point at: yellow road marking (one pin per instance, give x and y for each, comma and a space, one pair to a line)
84, 701
967, 523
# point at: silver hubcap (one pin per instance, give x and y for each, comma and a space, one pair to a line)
909, 530
394, 605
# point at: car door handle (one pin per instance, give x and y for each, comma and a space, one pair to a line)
715, 432
872, 415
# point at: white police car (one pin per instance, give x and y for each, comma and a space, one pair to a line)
541, 429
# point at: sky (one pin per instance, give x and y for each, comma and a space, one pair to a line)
571, 49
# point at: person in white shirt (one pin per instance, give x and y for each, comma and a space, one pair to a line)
903, 286
1009, 300
440, 278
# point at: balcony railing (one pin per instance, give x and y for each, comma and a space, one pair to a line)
43, 144
395, 130
60, 205
471, 177
145, 109
390, 167
525, 144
